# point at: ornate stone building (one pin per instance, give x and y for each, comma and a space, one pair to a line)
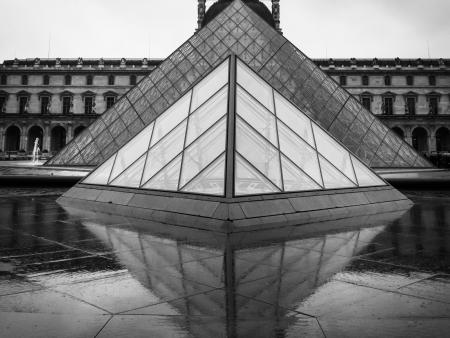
54, 99
411, 96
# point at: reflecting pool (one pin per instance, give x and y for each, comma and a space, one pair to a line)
80, 275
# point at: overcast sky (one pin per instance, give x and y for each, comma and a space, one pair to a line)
143, 28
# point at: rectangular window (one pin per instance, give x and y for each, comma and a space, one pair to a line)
3, 80
367, 103
343, 80
111, 80
2, 104
88, 103
411, 105
24, 80
434, 105
410, 80
66, 104
365, 80
45, 101
432, 80
110, 100
388, 105
46, 80
23, 101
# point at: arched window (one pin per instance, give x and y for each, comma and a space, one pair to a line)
46, 80
387, 80
133, 80
399, 132
12, 139
57, 138
111, 80
34, 133
420, 139
89, 80
68, 80
443, 139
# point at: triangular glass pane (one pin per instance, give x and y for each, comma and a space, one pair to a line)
171, 118
365, 176
294, 118
209, 85
332, 177
211, 181
203, 151
299, 152
248, 181
164, 151
334, 152
132, 151
255, 85
101, 174
207, 115
167, 178
294, 179
256, 115
132, 176
259, 152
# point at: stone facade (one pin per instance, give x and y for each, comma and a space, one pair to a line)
54, 99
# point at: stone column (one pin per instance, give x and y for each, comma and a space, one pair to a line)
23, 137
408, 135
46, 137
2, 138
432, 139
69, 133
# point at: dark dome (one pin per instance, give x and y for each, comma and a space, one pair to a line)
257, 6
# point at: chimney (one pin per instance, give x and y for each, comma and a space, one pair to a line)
201, 13
276, 14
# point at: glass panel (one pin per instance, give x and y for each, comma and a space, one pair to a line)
167, 178
294, 118
101, 174
132, 151
365, 176
207, 115
171, 117
255, 85
333, 178
132, 176
163, 152
209, 85
258, 152
333, 152
299, 152
211, 181
248, 181
256, 115
294, 179
203, 151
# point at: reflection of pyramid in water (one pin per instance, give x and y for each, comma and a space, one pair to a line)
217, 150
184, 149
239, 30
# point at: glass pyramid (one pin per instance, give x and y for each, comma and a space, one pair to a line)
238, 30
189, 147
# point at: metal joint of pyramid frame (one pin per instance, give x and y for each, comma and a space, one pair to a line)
238, 30
233, 135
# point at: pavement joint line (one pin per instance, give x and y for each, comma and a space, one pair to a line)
393, 291
320, 326
34, 254
58, 261
81, 300
406, 267
104, 325
418, 281
275, 305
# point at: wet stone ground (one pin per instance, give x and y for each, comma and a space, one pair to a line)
67, 275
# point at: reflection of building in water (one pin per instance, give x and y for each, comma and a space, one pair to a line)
283, 273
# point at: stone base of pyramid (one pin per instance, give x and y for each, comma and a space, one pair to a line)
239, 214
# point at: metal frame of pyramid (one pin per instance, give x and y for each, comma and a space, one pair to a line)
240, 31
276, 165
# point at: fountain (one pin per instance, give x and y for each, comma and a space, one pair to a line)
36, 150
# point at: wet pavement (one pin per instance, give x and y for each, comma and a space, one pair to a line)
89, 275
